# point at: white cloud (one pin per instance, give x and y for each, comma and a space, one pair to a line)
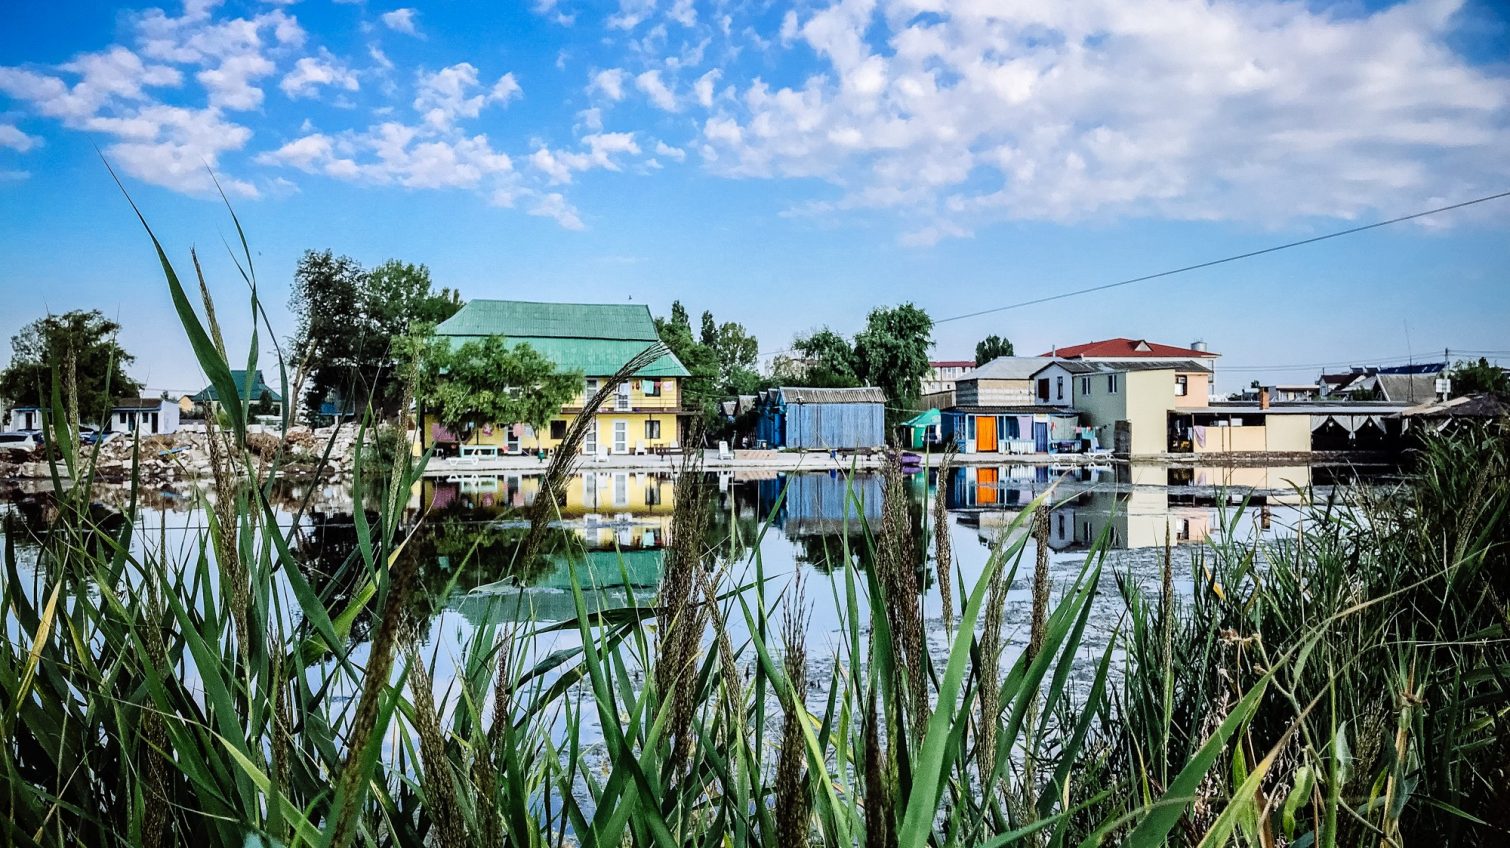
656, 90
395, 154
8, 176
311, 72
556, 207
13, 138
631, 14
600, 152
666, 150
683, 12
959, 113
703, 88
610, 82
401, 20
452, 93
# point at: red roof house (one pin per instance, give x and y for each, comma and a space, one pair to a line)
1131, 349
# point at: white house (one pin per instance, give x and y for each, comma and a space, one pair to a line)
144, 415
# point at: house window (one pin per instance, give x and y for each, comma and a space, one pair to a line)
651, 388
558, 429
653, 493
1043, 388
1181, 385
589, 388
621, 399
1085, 385
652, 429
1058, 388
123, 418
1111, 384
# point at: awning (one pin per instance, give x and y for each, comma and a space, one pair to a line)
929, 418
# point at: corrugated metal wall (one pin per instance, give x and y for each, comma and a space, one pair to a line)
821, 426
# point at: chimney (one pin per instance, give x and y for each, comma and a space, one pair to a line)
1263, 398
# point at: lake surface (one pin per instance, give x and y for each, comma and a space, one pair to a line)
618, 524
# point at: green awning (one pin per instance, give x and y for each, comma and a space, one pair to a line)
929, 418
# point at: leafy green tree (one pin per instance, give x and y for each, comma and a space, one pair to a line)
720, 358
264, 405
826, 361
349, 318
892, 353
992, 347
487, 381
85, 341
1470, 378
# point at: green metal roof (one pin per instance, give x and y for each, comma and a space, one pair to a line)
239, 378
594, 338
517, 318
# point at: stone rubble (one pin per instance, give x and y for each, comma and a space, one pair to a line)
185, 456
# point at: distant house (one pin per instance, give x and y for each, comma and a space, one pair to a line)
26, 418
942, 374
1007, 380
1132, 403
251, 391
185, 405
1452, 414
1411, 384
144, 415
597, 339
1133, 350
821, 419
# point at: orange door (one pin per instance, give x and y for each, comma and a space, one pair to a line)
985, 485
985, 434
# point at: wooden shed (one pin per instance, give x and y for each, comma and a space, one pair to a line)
822, 419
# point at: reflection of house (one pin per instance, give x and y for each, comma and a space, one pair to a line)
621, 509
596, 339
822, 504
253, 390
821, 419
145, 415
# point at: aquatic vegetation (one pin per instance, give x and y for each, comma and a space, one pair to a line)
1345, 685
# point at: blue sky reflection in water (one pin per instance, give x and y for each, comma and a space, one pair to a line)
619, 522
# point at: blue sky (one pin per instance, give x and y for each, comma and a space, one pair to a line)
785, 166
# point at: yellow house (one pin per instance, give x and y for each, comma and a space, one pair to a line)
1128, 402
596, 339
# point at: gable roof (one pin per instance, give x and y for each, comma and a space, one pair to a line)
1007, 368
1129, 348
129, 403
594, 338
208, 393
808, 394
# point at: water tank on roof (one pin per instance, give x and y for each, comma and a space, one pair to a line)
1199, 345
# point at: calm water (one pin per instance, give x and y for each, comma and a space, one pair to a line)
619, 523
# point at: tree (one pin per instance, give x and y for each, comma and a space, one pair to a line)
1479, 377
349, 319
264, 405
827, 361
992, 347
84, 342
720, 358
486, 381
892, 353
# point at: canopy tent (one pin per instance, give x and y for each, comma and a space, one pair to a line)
920, 427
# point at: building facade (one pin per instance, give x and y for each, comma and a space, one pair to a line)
821, 419
645, 412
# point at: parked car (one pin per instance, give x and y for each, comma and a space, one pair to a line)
19, 441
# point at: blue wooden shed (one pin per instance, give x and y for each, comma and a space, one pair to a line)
822, 419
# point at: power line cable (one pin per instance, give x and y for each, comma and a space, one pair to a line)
1214, 262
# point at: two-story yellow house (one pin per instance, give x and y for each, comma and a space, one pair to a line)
596, 339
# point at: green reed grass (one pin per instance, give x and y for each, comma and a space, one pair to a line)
1343, 687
